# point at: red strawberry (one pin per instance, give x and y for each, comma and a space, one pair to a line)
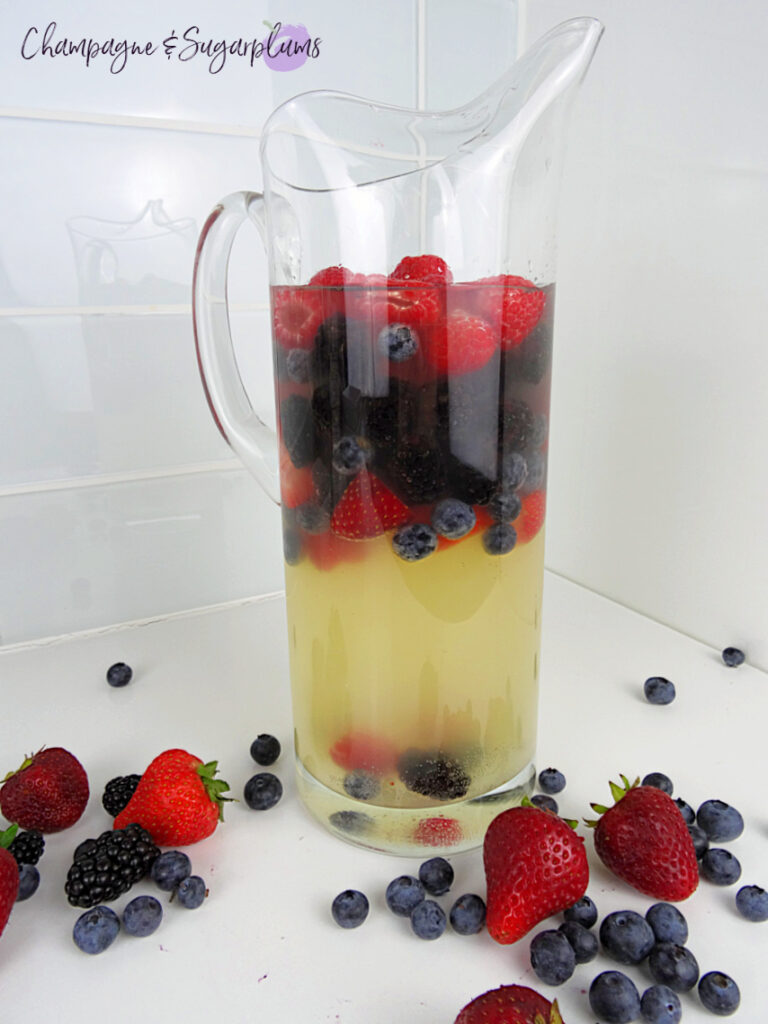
364, 752
178, 800
644, 840
48, 793
9, 876
326, 550
424, 269
463, 344
367, 509
438, 832
512, 304
296, 315
296, 485
531, 518
510, 1004
535, 865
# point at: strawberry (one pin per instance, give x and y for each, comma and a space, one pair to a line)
424, 269
510, 1004
364, 751
326, 550
296, 485
512, 304
9, 875
367, 509
296, 315
531, 518
535, 865
438, 832
463, 344
644, 840
178, 800
48, 792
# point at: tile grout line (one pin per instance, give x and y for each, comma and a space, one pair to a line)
170, 309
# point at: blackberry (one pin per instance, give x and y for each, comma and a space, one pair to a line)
296, 427
433, 774
105, 868
27, 847
415, 472
467, 483
530, 360
118, 792
517, 425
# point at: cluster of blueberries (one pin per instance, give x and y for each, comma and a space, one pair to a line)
264, 789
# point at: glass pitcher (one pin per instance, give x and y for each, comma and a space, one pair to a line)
412, 270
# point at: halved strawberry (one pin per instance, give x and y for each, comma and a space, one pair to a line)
425, 269
510, 1004
367, 509
462, 344
438, 832
531, 518
296, 485
364, 752
513, 305
296, 315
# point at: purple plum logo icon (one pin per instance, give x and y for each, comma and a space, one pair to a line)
286, 47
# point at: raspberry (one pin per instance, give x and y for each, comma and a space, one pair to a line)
463, 344
296, 315
331, 277
438, 832
362, 751
420, 305
512, 304
425, 269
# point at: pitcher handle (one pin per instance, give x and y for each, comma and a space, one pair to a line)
248, 436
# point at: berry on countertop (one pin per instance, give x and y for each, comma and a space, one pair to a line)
673, 965
436, 875
584, 942
510, 1004
27, 847
428, 920
688, 813
499, 538
350, 908
552, 957
453, 518
29, 879
733, 657
361, 785
719, 993
614, 998
179, 800
626, 936
367, 509
752, 902
426, 269
535, 866
467, 915
660, 781
583, 912
551, 781
47, 793
403, 894
644, 840
547, 803
262, 791
659, 690
414, 542
96, 930
720, 821
119, 674
169, 869
667, 923
660, 1005
398, 342
265, 749
720, 867
700, 840
103, 869
433, 774
142, 916
191, 891
118, 792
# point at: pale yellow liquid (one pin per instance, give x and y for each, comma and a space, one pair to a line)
440, 655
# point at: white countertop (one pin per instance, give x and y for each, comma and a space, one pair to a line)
263, 947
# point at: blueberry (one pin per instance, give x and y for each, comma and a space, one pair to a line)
659, 781
355, 823
361, 785
433, 773
752, 903
720, 866
436, 875
428, 920
688, 813
262, 791
537, 471
514, 470
453, 518
583, 912
169, 868
414, 542
350, 908
626, 936
540, 430
583, 941
313, 518
499, 538
720, 821
349, 456
700, 840
29, 879
298, 365
403, 894
467, 915
96, 930
505, 506
119, 674
265, 749
667, 923
733, 657
674, 965
546, 803
293, 546
191, 892
719, 993
614, 998
397, 342
659, 690
142, 916
660, 1005
552, 957
551, 780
